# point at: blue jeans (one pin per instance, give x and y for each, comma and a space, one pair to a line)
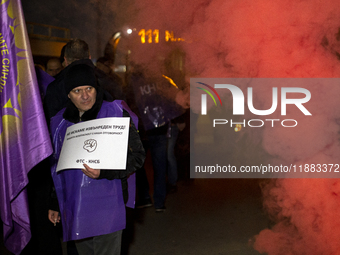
158, 149
172, 161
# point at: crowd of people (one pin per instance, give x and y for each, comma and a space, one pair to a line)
87, 206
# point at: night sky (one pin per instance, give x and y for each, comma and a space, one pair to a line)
92, 21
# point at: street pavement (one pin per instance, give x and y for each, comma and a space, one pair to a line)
204, 216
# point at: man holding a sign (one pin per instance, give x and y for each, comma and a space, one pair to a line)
97, 149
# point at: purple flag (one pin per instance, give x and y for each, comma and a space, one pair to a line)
24, 137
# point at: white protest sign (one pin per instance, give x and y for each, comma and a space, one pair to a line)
101, 144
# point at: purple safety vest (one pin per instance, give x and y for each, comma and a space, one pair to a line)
89, 207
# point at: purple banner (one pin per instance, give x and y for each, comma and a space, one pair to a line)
24, 137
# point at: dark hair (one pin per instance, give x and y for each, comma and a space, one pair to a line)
62, 54
102, 60
76, 49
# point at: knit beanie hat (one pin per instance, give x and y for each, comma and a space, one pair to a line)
79, 75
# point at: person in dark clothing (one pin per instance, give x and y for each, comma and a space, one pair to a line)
53, 66
97, 231
45, 237
145, 94
105, 71
76, 52
56, 97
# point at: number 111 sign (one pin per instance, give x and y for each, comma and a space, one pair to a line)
153, 36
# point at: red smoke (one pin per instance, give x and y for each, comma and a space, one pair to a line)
306, 213
247, 38
277, 39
